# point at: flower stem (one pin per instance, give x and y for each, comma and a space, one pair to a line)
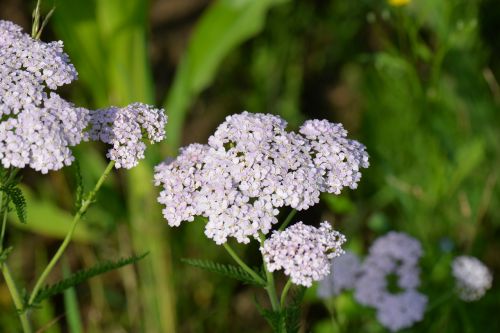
4, 220
16, 297
270, 287
83, 208
288, 219
284, 292
240, 262
11, 285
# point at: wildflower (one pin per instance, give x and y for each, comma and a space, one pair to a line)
250, 168
393, 255
125, 128
37, 126
303, 251
338, 158
344, 271
472, 277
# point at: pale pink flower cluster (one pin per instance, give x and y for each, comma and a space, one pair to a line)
37, 126
344, 273
472, 278
125, 129
303, 251
250, 168
395, 253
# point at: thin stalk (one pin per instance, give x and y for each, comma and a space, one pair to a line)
240, 262
11, 285
284, 292
270, 287
4, 221
83, 208
16, 297
288, 219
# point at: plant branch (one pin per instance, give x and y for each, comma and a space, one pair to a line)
244, 266
85, 205
288, 219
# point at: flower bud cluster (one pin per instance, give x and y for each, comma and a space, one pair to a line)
250, 168
125, 129
303, 251
393, 254
472, 278
37, 127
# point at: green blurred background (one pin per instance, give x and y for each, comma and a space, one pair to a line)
416, 83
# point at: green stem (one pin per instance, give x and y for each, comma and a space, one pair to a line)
4, 221
288, 219
240, 262
16, 297
83, 208
270, 287
11, 285
284, 292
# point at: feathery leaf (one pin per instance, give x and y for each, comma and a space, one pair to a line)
15, 195
83, 275
231, 271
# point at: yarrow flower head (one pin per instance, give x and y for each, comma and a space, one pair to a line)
303, 251
344, 272
250, 168
393, 255
472, 277
125, 128
37, 127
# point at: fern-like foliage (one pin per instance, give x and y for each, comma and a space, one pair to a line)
81, 276
287, 320
15, 195
4, 254
231, 271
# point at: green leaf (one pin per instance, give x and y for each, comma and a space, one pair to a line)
4, 254
292, 311
274, 318
223, 27
231, 271
15, 195
83, 275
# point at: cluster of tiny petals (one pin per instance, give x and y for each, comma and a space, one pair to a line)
472, 277
37, 126
338, 158
344, 272
250, 168
303, 251
395, 253
125, 128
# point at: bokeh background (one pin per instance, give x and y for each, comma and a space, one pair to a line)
416, 81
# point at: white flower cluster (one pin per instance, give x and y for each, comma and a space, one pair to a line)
393, 254
472, 277
125, 128
344, 273
37, 127
250, 168
303, 251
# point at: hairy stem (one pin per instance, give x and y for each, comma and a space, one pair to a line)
83, 208
288, 219
240, 262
